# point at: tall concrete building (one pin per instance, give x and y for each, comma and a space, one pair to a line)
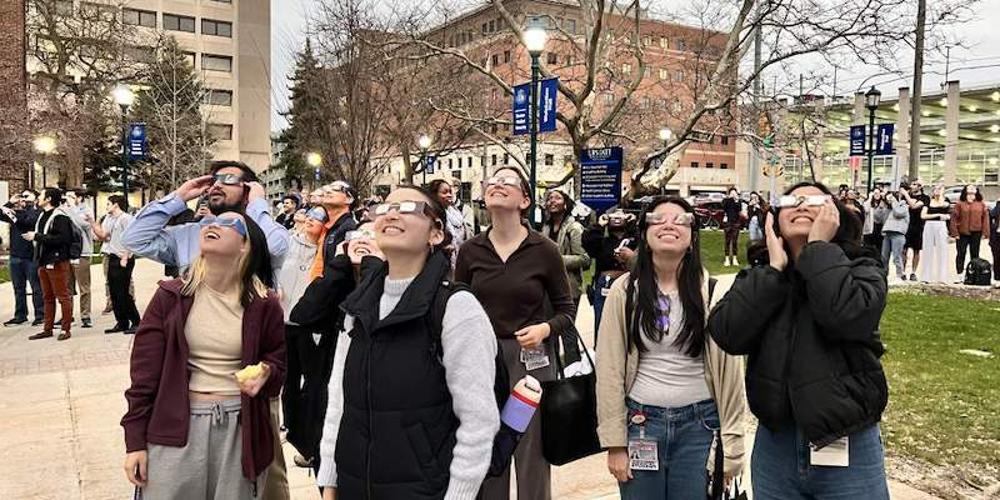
229, 44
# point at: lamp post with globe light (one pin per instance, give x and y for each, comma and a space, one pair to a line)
44, 145
424, 143
124, 97
534, 40
314, 160
872, 99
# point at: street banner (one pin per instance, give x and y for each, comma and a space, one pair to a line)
858, 140
431, 160
883, 141
137, 141
601, 177
548, 92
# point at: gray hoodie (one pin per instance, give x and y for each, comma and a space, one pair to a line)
293, 278
899, 220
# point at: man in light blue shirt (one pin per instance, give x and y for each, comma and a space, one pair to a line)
231, 187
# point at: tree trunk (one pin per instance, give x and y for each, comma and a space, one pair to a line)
917, 92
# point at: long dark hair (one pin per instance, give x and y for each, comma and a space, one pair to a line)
848, 235
260, 257
965, 192
642, 308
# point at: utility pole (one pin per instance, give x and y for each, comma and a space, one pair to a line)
754, 157
918, 80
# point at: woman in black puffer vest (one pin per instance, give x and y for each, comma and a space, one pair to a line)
807, 315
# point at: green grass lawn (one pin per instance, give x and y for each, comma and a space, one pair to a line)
944, 406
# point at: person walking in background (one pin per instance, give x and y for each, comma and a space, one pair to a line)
208, 356
120, 267
22, 214
518, 276
756, 212
430, 419
894, 229
876, 210
934, 266
289, 205
732, 223
611, 243
83, 218
52, 237
917, 200
970, 224
662, 378
995, 241
816, 438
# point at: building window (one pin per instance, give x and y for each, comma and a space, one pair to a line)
220, 131
662, 104
569, 26
493, 26
140, 54
506, 158
723, 166
647, 41
493, 158
223, 1
550, 159
553, 58
681, 45
506, 56
568, 160
679, 76
482, 161
609, 99
219, 97
664, 43
694, 164
644, 102
496, 60
450, 166
217, 63
64, 7
626, 69
568, 60
664, 75
484, 28
139, 17
190, 58
724, 140
709, 165
216, 28
172, 22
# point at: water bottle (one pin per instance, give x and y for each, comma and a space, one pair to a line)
522, 403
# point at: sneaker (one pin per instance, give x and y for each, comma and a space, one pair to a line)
736, 263
727, 264
130, 331
913, 277
117, 329
63, 336
39, 336
15, 321
38, 322
85, 323
902, 277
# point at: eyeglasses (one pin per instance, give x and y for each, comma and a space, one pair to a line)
235, 224
228, 179
317, 214
500, 180
814, 200
360, 234
341, 187
403, 207
655, 219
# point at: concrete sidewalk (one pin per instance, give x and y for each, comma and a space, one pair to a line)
60, 404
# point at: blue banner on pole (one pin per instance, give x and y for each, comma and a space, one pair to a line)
883, 141
137, 141
601, 177
858, 140
431, 160
547, 105
522, 108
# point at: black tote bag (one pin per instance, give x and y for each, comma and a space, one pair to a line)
569, 414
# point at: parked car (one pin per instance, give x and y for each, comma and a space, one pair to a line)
953, 193
711, 216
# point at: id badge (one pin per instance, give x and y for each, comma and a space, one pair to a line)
642, 455
836, 454
534, 359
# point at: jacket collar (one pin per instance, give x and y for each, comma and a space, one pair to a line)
483, 240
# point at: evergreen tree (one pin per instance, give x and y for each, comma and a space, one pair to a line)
305, 118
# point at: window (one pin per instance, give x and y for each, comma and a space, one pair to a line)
709, 165
482, 161
217, 63
681, 45
723, 166
694, 164
468, 162
609, 99
485, 26
173, 22
492, 26
140, 54
493, 157
220, 132
190, 58
664, 43
662, 104
569, 26
64, 7
456, 174
506, 158
664, 75
496, 60
139, 17
99, 11
216, 28
550, 159
553, 58
644, 103
223, 1
647, 41
568, 60
679, 76
450, 165
627, 69
219, 97
506, 56
568, 160
724, 140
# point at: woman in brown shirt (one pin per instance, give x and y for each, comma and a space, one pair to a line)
970, 224
519, 277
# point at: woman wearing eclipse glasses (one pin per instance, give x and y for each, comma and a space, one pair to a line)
198, 423
807, 315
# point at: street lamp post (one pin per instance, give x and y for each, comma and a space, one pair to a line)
534, 40
44, 145
314, 160
124, 97
424, 143
872, 99
665, 135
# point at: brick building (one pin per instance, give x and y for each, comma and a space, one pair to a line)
14, 156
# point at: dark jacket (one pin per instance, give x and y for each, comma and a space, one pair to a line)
158, 404
398, 429
994, 223
600, 243
812, 338
53, 245
335, 236
22, 222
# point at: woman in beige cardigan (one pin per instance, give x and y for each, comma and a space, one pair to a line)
664, 389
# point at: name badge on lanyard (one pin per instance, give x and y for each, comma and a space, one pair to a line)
835, 454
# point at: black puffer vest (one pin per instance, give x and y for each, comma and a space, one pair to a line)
398, 428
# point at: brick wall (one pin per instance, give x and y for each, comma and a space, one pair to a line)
13, 105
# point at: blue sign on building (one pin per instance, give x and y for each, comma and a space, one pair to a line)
547, 104
137, 141
858, 140
601, 177
431, 160
883, 141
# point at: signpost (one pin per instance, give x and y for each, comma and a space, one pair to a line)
137, 141
431, 161
601, 177
883, 141
547, 104
858, 140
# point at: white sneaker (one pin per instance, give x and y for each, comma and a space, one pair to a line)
736, 263
727, 264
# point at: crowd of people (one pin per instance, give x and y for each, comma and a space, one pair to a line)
372, 334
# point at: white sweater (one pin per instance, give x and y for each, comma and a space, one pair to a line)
469, 346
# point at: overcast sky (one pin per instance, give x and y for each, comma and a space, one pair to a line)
978, 64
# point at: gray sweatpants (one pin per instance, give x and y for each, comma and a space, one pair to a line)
209, 466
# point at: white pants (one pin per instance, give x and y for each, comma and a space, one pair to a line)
934, 267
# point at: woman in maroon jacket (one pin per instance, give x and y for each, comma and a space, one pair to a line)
970, 224
195, 428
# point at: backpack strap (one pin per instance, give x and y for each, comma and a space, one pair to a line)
435, 318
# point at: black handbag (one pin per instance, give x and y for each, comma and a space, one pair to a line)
717, 480
569, 414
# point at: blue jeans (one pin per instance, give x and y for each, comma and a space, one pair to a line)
684, 437
22, 272
781, 469
892, 245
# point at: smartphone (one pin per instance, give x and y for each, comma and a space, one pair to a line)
624, 243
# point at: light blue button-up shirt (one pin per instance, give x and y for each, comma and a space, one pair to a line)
149, 236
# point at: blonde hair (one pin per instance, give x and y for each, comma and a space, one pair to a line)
195, 277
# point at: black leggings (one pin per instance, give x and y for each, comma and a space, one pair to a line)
732, 239
967, 241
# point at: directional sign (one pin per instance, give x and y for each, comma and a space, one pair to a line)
601, 177
137, 141
883, 141
522, 109
547, 102
431, 160
858, 140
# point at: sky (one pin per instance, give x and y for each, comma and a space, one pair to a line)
976, 63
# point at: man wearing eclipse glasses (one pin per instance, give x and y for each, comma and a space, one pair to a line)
231, 187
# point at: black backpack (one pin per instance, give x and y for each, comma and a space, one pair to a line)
503, 448
978, 273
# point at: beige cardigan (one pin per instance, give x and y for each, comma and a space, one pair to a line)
723, 372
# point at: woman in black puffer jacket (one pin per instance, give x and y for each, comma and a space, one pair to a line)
807, 315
